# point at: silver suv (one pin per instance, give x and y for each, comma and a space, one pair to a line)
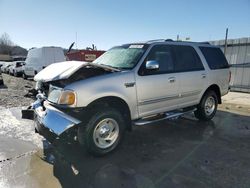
131, 84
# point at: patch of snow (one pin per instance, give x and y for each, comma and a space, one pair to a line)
12, 125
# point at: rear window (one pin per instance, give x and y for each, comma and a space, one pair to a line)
215, 58
187, 59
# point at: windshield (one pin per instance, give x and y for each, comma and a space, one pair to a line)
122, 57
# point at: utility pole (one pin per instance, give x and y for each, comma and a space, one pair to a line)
76, 40
225, 48
177, 39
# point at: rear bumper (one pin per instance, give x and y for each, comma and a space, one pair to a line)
53, 119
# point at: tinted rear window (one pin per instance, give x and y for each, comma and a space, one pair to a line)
187, 59
214, 57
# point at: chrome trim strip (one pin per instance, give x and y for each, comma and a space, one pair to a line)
186, 94
150, 101
190, 93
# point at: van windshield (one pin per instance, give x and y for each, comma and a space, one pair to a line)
122, 57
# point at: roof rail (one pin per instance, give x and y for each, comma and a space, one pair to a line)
156, 40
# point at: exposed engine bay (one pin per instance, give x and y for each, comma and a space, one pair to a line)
81, 74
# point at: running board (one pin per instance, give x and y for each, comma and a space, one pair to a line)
165, 116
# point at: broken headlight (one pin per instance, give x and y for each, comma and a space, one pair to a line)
60, 96
67, 97
54, 94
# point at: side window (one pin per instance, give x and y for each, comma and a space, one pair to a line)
187, 59
163, 55
214, 57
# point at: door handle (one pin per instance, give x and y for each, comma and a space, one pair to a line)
171, 79
203, 75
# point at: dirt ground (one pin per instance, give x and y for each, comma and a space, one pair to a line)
13, 91
180, 153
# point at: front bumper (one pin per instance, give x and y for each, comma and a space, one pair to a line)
53, 119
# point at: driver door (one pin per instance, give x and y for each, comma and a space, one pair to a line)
157, 90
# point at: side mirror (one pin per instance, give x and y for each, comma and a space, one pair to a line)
152, 65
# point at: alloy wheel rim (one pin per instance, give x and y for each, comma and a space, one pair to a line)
209, 105
106, 133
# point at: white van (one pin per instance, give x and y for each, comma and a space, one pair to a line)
39, 58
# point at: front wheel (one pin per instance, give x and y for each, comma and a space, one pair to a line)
207, 107
103, 131
24, 76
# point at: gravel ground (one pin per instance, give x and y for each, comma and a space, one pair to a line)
13, 93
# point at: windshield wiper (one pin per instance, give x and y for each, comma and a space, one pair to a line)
117, 68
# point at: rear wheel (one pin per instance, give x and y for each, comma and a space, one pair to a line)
207, 107
103, 131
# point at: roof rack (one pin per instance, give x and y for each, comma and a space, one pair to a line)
161, 40
156, 40
204, 43
169, 40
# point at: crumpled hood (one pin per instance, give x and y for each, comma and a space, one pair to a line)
63, 70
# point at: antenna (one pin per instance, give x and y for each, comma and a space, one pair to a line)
76, 40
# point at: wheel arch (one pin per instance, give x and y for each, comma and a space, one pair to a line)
114, 102
216, 89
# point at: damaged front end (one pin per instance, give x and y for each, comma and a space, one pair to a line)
47, 116
51, 81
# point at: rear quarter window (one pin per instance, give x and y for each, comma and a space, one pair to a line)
214, 57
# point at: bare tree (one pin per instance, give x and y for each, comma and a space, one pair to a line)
5, 44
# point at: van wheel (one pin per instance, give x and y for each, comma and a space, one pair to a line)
103, 131
24, 76
207, 107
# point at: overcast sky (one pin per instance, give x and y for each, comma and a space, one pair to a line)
36, 23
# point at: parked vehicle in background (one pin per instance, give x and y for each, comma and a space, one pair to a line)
84, 55
39, 58
17, 68
138, 83
5, 67
8, 68
1, 64
1, 78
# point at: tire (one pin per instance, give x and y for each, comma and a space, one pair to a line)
15, 74
207, 108
101, 125
24, 76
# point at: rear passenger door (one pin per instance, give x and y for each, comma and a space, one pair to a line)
191, 74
